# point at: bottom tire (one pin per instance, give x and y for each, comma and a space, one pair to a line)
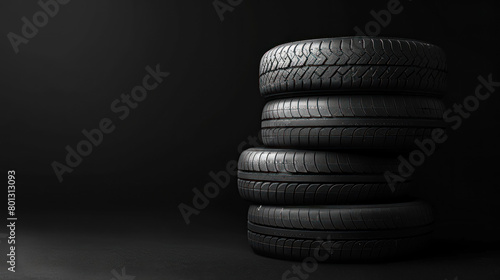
334, 250
338, 233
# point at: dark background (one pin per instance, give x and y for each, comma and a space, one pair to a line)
65, 78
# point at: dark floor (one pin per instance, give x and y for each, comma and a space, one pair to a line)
164, 253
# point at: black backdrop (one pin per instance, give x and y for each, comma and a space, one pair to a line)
66, 77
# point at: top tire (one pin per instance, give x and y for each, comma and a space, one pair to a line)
346, 64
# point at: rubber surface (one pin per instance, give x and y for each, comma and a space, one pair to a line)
335, 250
300, 177
341, 233
353, 63
355, 122
343, 217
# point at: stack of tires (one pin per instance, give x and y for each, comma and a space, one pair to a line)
339, 113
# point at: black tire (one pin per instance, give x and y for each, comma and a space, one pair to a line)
369, 217
352, 122
301, 177
337, 250
353, 63
358, 232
